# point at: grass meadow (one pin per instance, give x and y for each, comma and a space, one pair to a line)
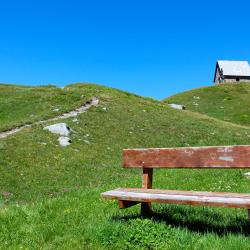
50, 195
227, 102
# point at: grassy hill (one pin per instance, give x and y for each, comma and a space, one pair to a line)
26, 104
51, 195
228, 102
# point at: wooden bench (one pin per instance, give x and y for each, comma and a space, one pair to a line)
189, 157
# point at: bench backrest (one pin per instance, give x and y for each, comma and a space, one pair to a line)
188, 157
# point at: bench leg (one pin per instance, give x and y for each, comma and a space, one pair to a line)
126, 204
248, 214
147, 180
146, 209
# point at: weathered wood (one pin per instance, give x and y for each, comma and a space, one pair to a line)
188, 157
231, 200
147, 178
191, 157
126, 204
187, 192
147, 182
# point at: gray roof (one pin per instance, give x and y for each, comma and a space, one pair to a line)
234, 68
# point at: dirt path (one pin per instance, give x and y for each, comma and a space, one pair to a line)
93, 102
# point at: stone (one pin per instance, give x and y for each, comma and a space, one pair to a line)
43, 143
177, 106
95, 101
6, 194
196, 97
86, 141
59, 128
247, 175
64, 141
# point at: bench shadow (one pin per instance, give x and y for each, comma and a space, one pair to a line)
179, 217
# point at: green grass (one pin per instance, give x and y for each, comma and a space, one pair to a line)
228, 102
51, 195
23, 105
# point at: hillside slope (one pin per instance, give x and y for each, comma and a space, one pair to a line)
26, 104
228, 102
51, 195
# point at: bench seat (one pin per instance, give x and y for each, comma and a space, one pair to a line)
140, 195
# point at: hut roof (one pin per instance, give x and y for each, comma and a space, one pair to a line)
234, 68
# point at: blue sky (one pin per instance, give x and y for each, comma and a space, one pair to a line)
153, 48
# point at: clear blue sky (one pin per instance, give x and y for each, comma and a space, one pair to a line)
151, 47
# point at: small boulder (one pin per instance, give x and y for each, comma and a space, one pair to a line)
196, 97
247, 175
59, 128
64, 141
177, 106
95, 101
6, 194
86, 141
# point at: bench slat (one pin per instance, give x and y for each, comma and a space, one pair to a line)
187, 192
231, 200
188, 157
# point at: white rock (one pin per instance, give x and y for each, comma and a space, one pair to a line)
95, 101
104, 108
74, 120
64, 141
43, 143
56, 110
247, 174
177, 106
59, 128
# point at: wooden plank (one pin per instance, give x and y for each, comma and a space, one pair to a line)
188, 157
182, 198
187, 192
126, 204
147, 182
